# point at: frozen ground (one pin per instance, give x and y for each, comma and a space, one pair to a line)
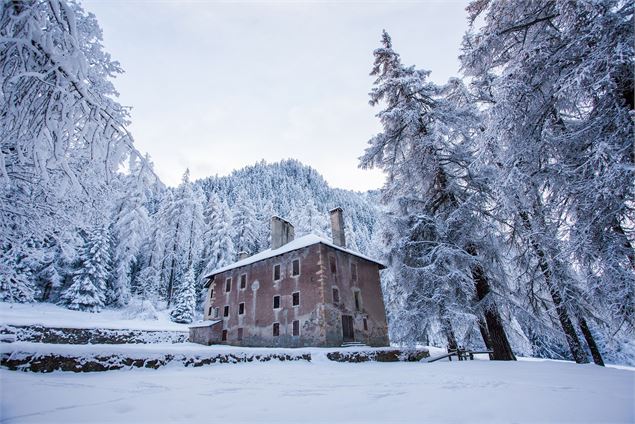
324, 391
50, 315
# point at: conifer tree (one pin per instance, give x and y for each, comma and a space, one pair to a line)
185, 299
88, 290
438, 235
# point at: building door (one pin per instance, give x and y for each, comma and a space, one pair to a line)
347, 328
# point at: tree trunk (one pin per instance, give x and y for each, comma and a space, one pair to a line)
173, 265
498, 341
449, 333
593, 347
482, 326
563, 315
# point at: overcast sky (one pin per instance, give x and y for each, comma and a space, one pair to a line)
216, 86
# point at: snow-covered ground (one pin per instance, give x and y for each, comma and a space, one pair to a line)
324, 391
50, 315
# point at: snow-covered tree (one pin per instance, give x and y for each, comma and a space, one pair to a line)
88, 290
555, 79
244, 223
185, 299
440, 246
130, 226
183, 224
218, 248
62, 134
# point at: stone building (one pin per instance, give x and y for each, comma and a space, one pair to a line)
307, 291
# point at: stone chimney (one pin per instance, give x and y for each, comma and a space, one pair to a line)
337, 227
242, 255
282, 232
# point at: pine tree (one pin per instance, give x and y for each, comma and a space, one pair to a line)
183, 225
185, 299
16, 284
556, 82
244, 224
219, 239
437, 234
88, 290
130, 225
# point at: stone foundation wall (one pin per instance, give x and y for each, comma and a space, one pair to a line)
40, 334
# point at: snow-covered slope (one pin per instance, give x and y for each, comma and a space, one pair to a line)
49, 315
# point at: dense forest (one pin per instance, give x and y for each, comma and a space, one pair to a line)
506, 219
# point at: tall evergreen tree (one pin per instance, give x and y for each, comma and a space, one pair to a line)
438, 232
185, 299
556, 81
88, 290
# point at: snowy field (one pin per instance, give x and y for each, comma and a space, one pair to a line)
324, 391
51, 315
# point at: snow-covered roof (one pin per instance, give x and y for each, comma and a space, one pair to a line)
207, 323
296, 244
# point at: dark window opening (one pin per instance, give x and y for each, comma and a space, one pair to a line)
336, 296
276, 272
276, 329
211, 293
296, 267
296, 328
296, 298
243, 281
354, 272
240, 334
241, 309
365, 324
228, 285
224, 336
332, 263
357, 303
209, 312
276, 302
226, 311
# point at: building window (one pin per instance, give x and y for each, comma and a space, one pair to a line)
276, 272
226, 311
354, 272
357, 302
211, 294
224, 336
209, 312
296, 328
296, 268
243, 281
241, 308
332, 263
228, 285
216, 312
276, 302
276, 329
240, 334
336, 296
365, 324
296, 298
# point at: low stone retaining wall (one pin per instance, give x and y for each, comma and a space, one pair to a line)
55, 362
41, 334
393, 355
22, 360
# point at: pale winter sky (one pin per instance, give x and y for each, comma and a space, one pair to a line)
218, 85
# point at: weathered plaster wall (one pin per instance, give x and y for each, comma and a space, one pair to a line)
368, 286
259, 317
